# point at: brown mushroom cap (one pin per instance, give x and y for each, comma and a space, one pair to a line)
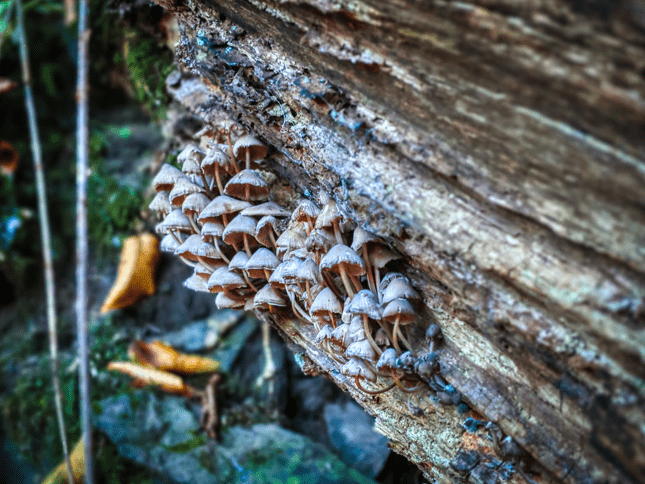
181, 190
277, 279
176, 220
365, 302
168, 244
340, 335
380, 255
264, 230
160, 203
265, 209
328, 215
247, 181
215, 156
399, 308
196, 283
249, 143
224, 280
267, 297
194, 247
306, 211
222, 205
325, 303
167, 177
191, 166
387, 360
361, 349
291, 239
262, 260
362, 237
342, 256
238, 262
223, 301
190, 151
385, 282
212, 229
194, 203
239, 227
399, 288
320, 240
308, 271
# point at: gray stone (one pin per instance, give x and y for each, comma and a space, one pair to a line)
162, 434
203, 335
352, 434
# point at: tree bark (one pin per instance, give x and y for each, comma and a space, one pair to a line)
498, 146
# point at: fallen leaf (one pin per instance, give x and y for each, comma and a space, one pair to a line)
77, 460
136, 274
164, 357
7, 85
151, 376
8, 158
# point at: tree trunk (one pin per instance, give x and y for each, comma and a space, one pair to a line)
498, 146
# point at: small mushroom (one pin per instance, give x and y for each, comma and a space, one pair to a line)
224, 301
265, 230
265, 209
326, 305
387, 364
389, 277
238, 265
267, 298
161, 204
241, 230
181, 190
169, 243
399, 312
193, 204
196, 283
433, 334
308, 273
195, 249
319, 242
365, 305
307, 211
358, 369
221, 209
248, 185
330, 216
399, 288
262, 264
216, 162
291, 239
167, 177
250, 149
174, 223
343, 260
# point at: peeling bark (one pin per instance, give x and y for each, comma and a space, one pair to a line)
499, 147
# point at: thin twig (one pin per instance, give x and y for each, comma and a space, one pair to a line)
70, 12
82, 155
45, 236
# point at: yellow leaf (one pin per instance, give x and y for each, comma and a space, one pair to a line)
77, 460
164, 357
150, 376
136, 274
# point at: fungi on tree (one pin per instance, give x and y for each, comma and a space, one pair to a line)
365, 305
265, 230
222, 209
196, 250
181, 190
319, 241
330, 217
167, 177
196, 283
175, 222
193, 204
307, 212
291, 239
265, 209
161, 204
387, 364
344, 261
249, 185
248, 148
216, 162
262, 264
399, 312
268, 299
326, 305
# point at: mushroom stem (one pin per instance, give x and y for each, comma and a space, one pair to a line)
310, 225
368, 333
176, 237
248, 163
246, 245
403, 388
194, 224
247, 193
330, 284
372, 392
396, 332
230, 150
357, 283
339, 235
220, 187
219, 251
207, 187
346, 283
377, 282
298, 310
332, 319
308, 286
205, 264
248, 281
267, 274
368, 269
335, 357
187, 262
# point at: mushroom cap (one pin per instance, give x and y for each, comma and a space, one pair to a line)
265, 209
342, 256
365, 302
399, 308
215, 156
362, 237
181, 190
387, 279
356, 329
160, 203
433, 332
194, 246
357, 367
328, 215
196, 283
224, 280
167, 177
264, 228
194, 203
190, 151
361, 349
399, 288
212, 229
290, 269
237, 186
277, 279
325, 303
267, 297
249, 143
237, 228
323, 334
191, 166
203, 272
307, 209
314, 290
406, 362
168, 244
222, 205
308, 271
238, 262
262, 259
380, 255
223, 301
176, 220
291, 239
387, 360
340, 334
320, 240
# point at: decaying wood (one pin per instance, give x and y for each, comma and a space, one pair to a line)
499, 147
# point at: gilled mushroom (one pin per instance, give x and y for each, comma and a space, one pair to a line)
319, 242
265, 209
307, 211
268, 299
326, 306
399, 288
161, 204
365, 305
265, 230
330, 216
387, 364
344, 261
216, 162
222, 209
262, 264
358, 369
181, 190
196, 283
308, 273
191, 158
241, 230
224, 301
249, 185
169, 243
362, 238
212, 230
238, 265
379, 257
193, 204
323, 339
399, 312
291, 239
250, 149
195, 249
167, 177
225, 281
389, 277
176, 222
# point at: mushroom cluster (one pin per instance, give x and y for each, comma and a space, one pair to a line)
312, 263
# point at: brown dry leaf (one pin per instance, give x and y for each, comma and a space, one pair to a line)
8, 158
136, 274
7, 85
77, 460
164, 357
151, 376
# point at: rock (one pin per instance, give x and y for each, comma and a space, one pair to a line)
205, 334
162, 434
352, 435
